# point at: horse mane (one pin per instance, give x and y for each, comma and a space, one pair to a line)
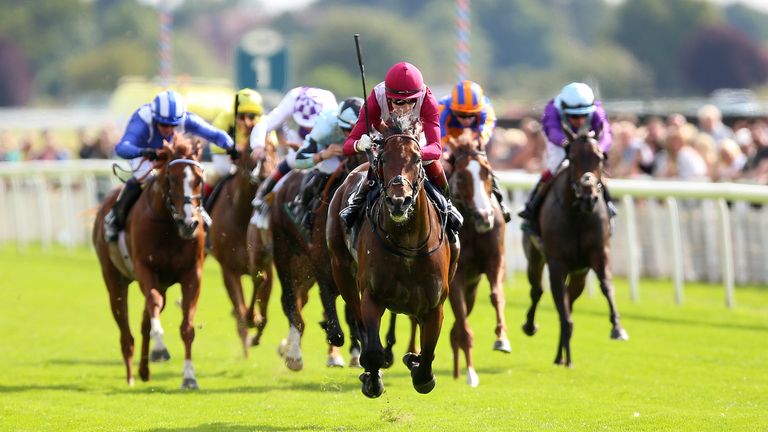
181, 147
402, 125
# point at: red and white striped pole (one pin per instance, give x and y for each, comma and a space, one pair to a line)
462, 38
165, 49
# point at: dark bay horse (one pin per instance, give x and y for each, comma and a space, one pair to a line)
574, 239
401, 259
482, 248
164, 244
230, 215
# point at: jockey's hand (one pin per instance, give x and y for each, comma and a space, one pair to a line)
333, 150
149, 153
234, 153
363, 144
258, 153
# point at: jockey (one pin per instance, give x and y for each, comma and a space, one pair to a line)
322, 148
576, 108
296, 113
401, 93
238, 122
148, 127
468, 108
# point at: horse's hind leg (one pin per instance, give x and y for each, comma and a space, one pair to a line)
460, 297
333, 331
535, 270
354, 337
118, 301
372, 358
421, 375
262, 289
606, 286
389, 356
235, 291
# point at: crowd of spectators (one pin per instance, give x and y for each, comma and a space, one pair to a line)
704, 149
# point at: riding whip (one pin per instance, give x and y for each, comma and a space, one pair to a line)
365, 94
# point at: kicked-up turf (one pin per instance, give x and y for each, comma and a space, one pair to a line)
699, 366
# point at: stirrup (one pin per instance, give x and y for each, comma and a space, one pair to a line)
525, 213
111, 230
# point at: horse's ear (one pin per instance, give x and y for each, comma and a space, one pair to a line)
197, 149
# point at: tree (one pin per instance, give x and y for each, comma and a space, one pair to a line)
15, 75
723, 57
654, 31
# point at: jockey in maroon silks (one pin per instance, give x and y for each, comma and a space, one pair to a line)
402, 93
575, 108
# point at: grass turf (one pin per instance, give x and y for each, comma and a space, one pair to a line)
699, 366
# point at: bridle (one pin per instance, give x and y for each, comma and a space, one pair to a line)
186, 199
589, 179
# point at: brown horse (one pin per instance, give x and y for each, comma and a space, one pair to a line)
401, 259
300, 260
230, 215
163, 245
482, 248
574, 239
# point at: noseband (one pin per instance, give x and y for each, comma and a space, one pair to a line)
588, 179
186, 199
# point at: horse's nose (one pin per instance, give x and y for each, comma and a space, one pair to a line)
395, 204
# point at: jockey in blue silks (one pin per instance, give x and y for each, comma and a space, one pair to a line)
575, 108
148, 127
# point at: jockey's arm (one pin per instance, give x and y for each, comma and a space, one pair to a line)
486, 128
552, 126
431, 123
136, 133
373, 117
272, 120
195, 125
600, 123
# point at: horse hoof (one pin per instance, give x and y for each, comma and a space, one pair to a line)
389, 358
619, 334
472, 379
335, 361
282, 349
425, 387
371, 387
294, 364
144, 372
502, 345
411, 360
189, 384
530, 329
159, 356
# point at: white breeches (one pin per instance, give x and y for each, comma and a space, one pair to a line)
555, 156
141, 168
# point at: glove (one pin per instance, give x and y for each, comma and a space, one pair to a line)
363, 144
234, 153
149, 153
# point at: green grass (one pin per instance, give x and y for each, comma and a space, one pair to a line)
699, 366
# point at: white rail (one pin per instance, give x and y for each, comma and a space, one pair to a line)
51, 202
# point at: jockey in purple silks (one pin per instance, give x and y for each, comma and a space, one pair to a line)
575, 108
149, 126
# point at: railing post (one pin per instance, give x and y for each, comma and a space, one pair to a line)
678, 272
726, 253
633, 252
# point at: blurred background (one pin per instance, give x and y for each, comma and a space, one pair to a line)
683, 81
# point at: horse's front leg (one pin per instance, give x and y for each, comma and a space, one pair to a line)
461, 335
190, 292
421, 375
372, 358
256, 315
235, 291
154, 302
495, 274
334, 333
535, 270
389, 356
603, 272
557, 276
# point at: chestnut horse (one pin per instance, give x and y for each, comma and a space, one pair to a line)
401, 259
164, 244
482, 248
574, 238
230, 215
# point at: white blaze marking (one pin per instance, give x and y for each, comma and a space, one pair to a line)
189, 177
480, 197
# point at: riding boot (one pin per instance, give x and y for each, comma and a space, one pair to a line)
114, 220
356, 201
454, 218
531, 212
496, 190
264, 189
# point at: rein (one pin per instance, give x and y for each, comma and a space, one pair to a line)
186, 199
416, 189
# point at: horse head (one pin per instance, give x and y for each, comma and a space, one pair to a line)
585, 161
471, 180
180, 176
400, 169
